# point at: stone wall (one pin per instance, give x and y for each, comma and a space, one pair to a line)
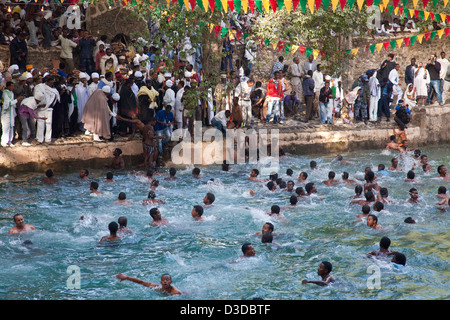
38, 57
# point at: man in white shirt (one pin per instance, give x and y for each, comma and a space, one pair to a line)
444, 65
375, 94
243, 91
51, 96
94, 84
318, 84
220, 120
296, 73
169, 96
394, 79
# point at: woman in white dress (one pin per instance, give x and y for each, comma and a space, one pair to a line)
410, 96
421, 82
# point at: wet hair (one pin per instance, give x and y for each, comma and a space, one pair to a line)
370, 175
118, 150
442, 190
113, 227
424, 166
412, 190
225, 166
256, 171
339, 157
369, 195
172, 171
366, 209
155, 183
196, 171
374, 217
299, 190
109, 175
358, 189
199, 210
49, 173
275, 209
417, 152
210, 196
327, 266
293, 199
273, 176
304, 174
381, 167
122, 196
267, 237
439, 168
345, 175
409, 220
153, 212
378, 206
309, 186
385, 243
282, 184
423, 156
289, 172
151, 194
245, 247
270, 185
331, 175
122, 221
279, 180
392, 138
383, 191
271, 227
94, 185
400, 258
410, 174
86, 171
313, 164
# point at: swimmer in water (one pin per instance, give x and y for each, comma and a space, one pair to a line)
426, 167
292, 202
123, 221
378, 206
49, 177
331, 181
410, 177
313, 165
272, 186
370, 182
442, 171
383, 196
340, 160
196, 173
444, 204
302, 177
197, 213
151, 199
383, 251
323, 271
94, 188
117, 163
414, 196
394, 165
84, 174
382, 170
289, 186
358, 192
300, 191
399, 258
20, 225
345, 178
154, 185
165, 286
372, 221
442, 193
122, 198
247, 250
392, 144
158, 220
267, 227
113, 228
172, 172
369, 198
109, 177
208, 199
267, 237
275, 211
365, 211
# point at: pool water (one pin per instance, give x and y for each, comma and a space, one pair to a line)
203, 258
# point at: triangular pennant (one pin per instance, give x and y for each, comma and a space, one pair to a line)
385, 3
211, 27
205, 5
426, 15
266, 5
391, 9
294, 48
258, 4
369, 2
446, 30
381, 8
342, 2
280, 4
350, 3
407, 40
420, 37
404, 2
280, 45
413, 40
186, 4
318, 3
334, 4
435, 2
325, 4
224, 5
288, 5
251, 5
267, 42
442, 17
302, 49
244, 4
308, 52
396, 11
192, 2
274, 45
415, 3
416, 13
303, 5
311, 5
372, 48
432, 15
287, 48
395, 3
445, 3
315, 53
386, 45
422, 14
411, 13
355, 51
399, 42
294, 4
211, 4
376, 2
401, 12
218, 4
427, 36
393, 43
440, 32
379, 46
217, 30
433, 34
425, 2
273, 5
447, 18
360, 4
224, 32
232, 5
246, 35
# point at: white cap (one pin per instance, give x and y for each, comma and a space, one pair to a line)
167, 75
28, 75
12, 68
39, 96
106, 89
83, 75
116, 96
188, 74
45, 74
95, 75
122, 57
327, 78
138, 74
169, 83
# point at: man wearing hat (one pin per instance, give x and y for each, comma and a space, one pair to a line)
94, 84
96, 114
51, 96
82, 94
8, 114
169, 95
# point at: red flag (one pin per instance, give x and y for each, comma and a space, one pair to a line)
251, 4
302, 49
432, 15
447, 18
369, 2
231, 4
217, 29
342, 4
446, 30
401, 10
395, 2
425, 2
238, 34
273, 4
295, 4
416, 13
280, 45
427, 35
385, 45
318, 3
406, 41
212, 4
192, 2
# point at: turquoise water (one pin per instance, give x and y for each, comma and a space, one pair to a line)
201, 256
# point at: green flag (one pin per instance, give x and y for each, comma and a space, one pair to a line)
393, 43
308, 52
413, 39
303, 4
433, 34
372, 48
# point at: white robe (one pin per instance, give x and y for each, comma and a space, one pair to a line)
178, 114
82, 93
420, 83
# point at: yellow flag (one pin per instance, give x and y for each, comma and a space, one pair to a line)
360, 4
427, 14
379, 46
315, 53
381, 8
411, 13
186, 4
294, 47
420, 37
265, 4
440, 32
288, 5
224, 5
415, 3
205, 5
399, 42
274, 45
211, 27
443, 16
244, 5
311, 5
396, 10
355, 51
334, 4
385, 3
445, 3
168, 2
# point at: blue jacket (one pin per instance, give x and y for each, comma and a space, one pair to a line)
308, 87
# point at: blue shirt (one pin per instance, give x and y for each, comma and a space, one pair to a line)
162, 116
384, 173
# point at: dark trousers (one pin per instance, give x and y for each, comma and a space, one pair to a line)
383, 106
309, 107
